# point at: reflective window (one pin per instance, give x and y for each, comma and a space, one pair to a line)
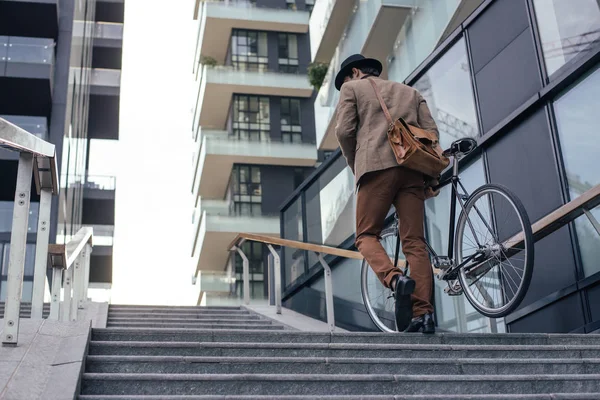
249, 50
246, 190
447, 88
293, 261
291, 127
576, 120
251, 118
455, 313
420, 35
567, 28
288, 52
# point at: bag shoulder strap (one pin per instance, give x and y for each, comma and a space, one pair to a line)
381, 102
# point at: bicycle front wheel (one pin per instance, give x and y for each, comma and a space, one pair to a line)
495, 242
378, 299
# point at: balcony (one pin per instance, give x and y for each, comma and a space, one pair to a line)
217, 227
220, 83
108, 34
26, 75
219, 151
105, 82
372, 31
327, 24
218, 18
31, 18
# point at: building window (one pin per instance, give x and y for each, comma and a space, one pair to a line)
291, 4
288, 52
247, 190
249, 50
566, 29
291, 127
447, 89
576, 121
255, 253
251, 119
310, 4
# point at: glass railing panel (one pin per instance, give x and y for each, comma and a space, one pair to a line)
220, 282
293, 261
6, 216
101, 182
27, 50
37, 126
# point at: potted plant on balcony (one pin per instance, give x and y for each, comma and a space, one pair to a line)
207, 60
316, 74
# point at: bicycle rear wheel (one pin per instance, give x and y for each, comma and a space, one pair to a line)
378, 299
495, 241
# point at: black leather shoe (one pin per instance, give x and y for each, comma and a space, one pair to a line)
422, 323
405, 287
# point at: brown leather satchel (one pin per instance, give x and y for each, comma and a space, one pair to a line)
414, 148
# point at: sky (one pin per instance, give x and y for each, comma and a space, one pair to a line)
153, 158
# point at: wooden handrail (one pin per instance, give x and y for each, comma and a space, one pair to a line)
559, 217
317, 248
63, 256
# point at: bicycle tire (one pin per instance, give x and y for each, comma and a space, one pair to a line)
365, 268
528, 248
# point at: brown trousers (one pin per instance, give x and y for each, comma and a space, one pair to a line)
376, 193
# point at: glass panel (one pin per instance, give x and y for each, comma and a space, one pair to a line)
567, 28
455, 313
576, 120
447, 88
292, 46
263, 47
293, 261
30, 50
6, 216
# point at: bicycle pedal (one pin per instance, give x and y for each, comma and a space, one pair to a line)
442, 262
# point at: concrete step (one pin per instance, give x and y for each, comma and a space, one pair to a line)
197, 315
282, 384
191, 324
119, 307
553, 396
191, 335
204, 320
322, 365
406, 351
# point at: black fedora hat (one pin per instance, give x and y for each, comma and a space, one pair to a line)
355, 61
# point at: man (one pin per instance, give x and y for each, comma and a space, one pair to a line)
362, 133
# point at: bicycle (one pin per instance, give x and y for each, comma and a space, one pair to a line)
481, 268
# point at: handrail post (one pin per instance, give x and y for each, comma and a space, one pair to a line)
86, 274
277, 269
67, 286
246, 274
77, 284
328, 293
41, 254
18, 247
57, 276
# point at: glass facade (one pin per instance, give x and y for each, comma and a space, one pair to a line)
575, 118
246, 190
256, 262
540, 123
75, 143
291, 122
447, 88
419, 36
251, 120
249, 50
288, 52
567, 29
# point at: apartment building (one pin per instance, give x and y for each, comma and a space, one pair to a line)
254, 133
60, 64
520, 76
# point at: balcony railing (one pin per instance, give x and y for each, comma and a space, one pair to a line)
37, 158
37, 126
100, 182
26, 50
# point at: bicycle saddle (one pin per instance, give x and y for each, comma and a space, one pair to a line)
461, 147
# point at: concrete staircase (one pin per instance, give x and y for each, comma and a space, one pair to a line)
26, 310
190, 353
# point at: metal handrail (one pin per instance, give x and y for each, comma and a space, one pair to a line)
70, 261
38, 158
319, 250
